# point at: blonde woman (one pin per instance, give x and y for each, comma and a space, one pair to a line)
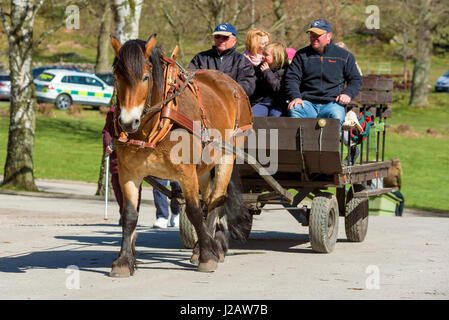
256, 40
268, 99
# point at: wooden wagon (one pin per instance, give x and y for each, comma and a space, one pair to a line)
310, 162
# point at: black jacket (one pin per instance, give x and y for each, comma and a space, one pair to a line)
234, 64
269, 83
321, 78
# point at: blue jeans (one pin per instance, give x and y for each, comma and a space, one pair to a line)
266, 108
161, 201
319, 110
400, 207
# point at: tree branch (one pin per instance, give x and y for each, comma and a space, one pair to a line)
45, 35
5, 23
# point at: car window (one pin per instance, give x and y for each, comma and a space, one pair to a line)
93, 82
66, 79
4, 78
78, 79
446, 74
46, 76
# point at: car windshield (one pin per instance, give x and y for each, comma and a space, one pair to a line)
4, 78
446, 74
46, 76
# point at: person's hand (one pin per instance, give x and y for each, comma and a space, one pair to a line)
264, 67
294, 103
343, 99
109, 150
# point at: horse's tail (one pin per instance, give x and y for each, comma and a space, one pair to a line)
239, 219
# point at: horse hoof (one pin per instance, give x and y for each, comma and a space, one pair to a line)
221, 257
209, 266
120, 272
195, 259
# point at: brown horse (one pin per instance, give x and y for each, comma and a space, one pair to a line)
207, 97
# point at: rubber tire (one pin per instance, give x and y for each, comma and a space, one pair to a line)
356, 217
323, 223
61, 99
186, 229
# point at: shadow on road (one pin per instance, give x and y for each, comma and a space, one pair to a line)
83, 252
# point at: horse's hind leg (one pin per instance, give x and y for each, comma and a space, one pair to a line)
125, 264
216, 202
214, 215
208, 250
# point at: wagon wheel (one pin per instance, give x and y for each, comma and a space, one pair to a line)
356, 216
323, 223
186, 229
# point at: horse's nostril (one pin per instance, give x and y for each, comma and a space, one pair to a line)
136, 122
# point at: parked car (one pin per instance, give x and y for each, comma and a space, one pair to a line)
106, 77
5, 86
64, 87
442, 83
38, 71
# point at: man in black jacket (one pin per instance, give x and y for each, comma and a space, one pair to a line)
315, 80
225, 58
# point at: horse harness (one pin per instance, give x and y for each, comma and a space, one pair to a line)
168, 108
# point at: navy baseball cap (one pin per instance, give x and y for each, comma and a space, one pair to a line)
320, 26
225, 29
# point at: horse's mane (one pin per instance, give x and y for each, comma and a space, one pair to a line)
130, 63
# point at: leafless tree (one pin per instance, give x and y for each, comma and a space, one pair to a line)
18, 25
126, 18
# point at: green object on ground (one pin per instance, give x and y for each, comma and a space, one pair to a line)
383, 205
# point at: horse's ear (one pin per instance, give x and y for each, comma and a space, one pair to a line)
151, 42
115, 45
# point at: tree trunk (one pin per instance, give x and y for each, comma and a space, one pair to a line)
101, 185
126, 17
19, 166
102, 64
279, 13
423, 59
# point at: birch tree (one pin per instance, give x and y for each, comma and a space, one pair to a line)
18, 26
126, 18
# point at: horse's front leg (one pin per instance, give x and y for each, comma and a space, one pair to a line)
125, 264
208, 250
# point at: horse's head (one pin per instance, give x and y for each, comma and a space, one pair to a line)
133, 71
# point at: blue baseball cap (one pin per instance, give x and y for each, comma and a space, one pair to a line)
320, 26
225, 29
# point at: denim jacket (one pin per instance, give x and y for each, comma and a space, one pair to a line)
320, 78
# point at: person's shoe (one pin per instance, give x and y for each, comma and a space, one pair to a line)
160, 223
174, 220
352, 157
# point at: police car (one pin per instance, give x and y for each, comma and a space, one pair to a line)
64, 87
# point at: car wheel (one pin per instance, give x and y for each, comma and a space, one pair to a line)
63, 102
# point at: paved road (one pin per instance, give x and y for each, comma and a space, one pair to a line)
40, 237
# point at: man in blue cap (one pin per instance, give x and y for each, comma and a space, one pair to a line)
225, 58
315, 80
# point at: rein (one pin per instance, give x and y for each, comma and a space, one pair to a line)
167, 108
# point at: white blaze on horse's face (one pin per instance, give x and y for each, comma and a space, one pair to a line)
131, 92
130, 119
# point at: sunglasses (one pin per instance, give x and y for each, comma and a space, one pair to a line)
316, 36
221, 37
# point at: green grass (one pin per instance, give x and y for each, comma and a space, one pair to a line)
70, 148
425, 158
66, 147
